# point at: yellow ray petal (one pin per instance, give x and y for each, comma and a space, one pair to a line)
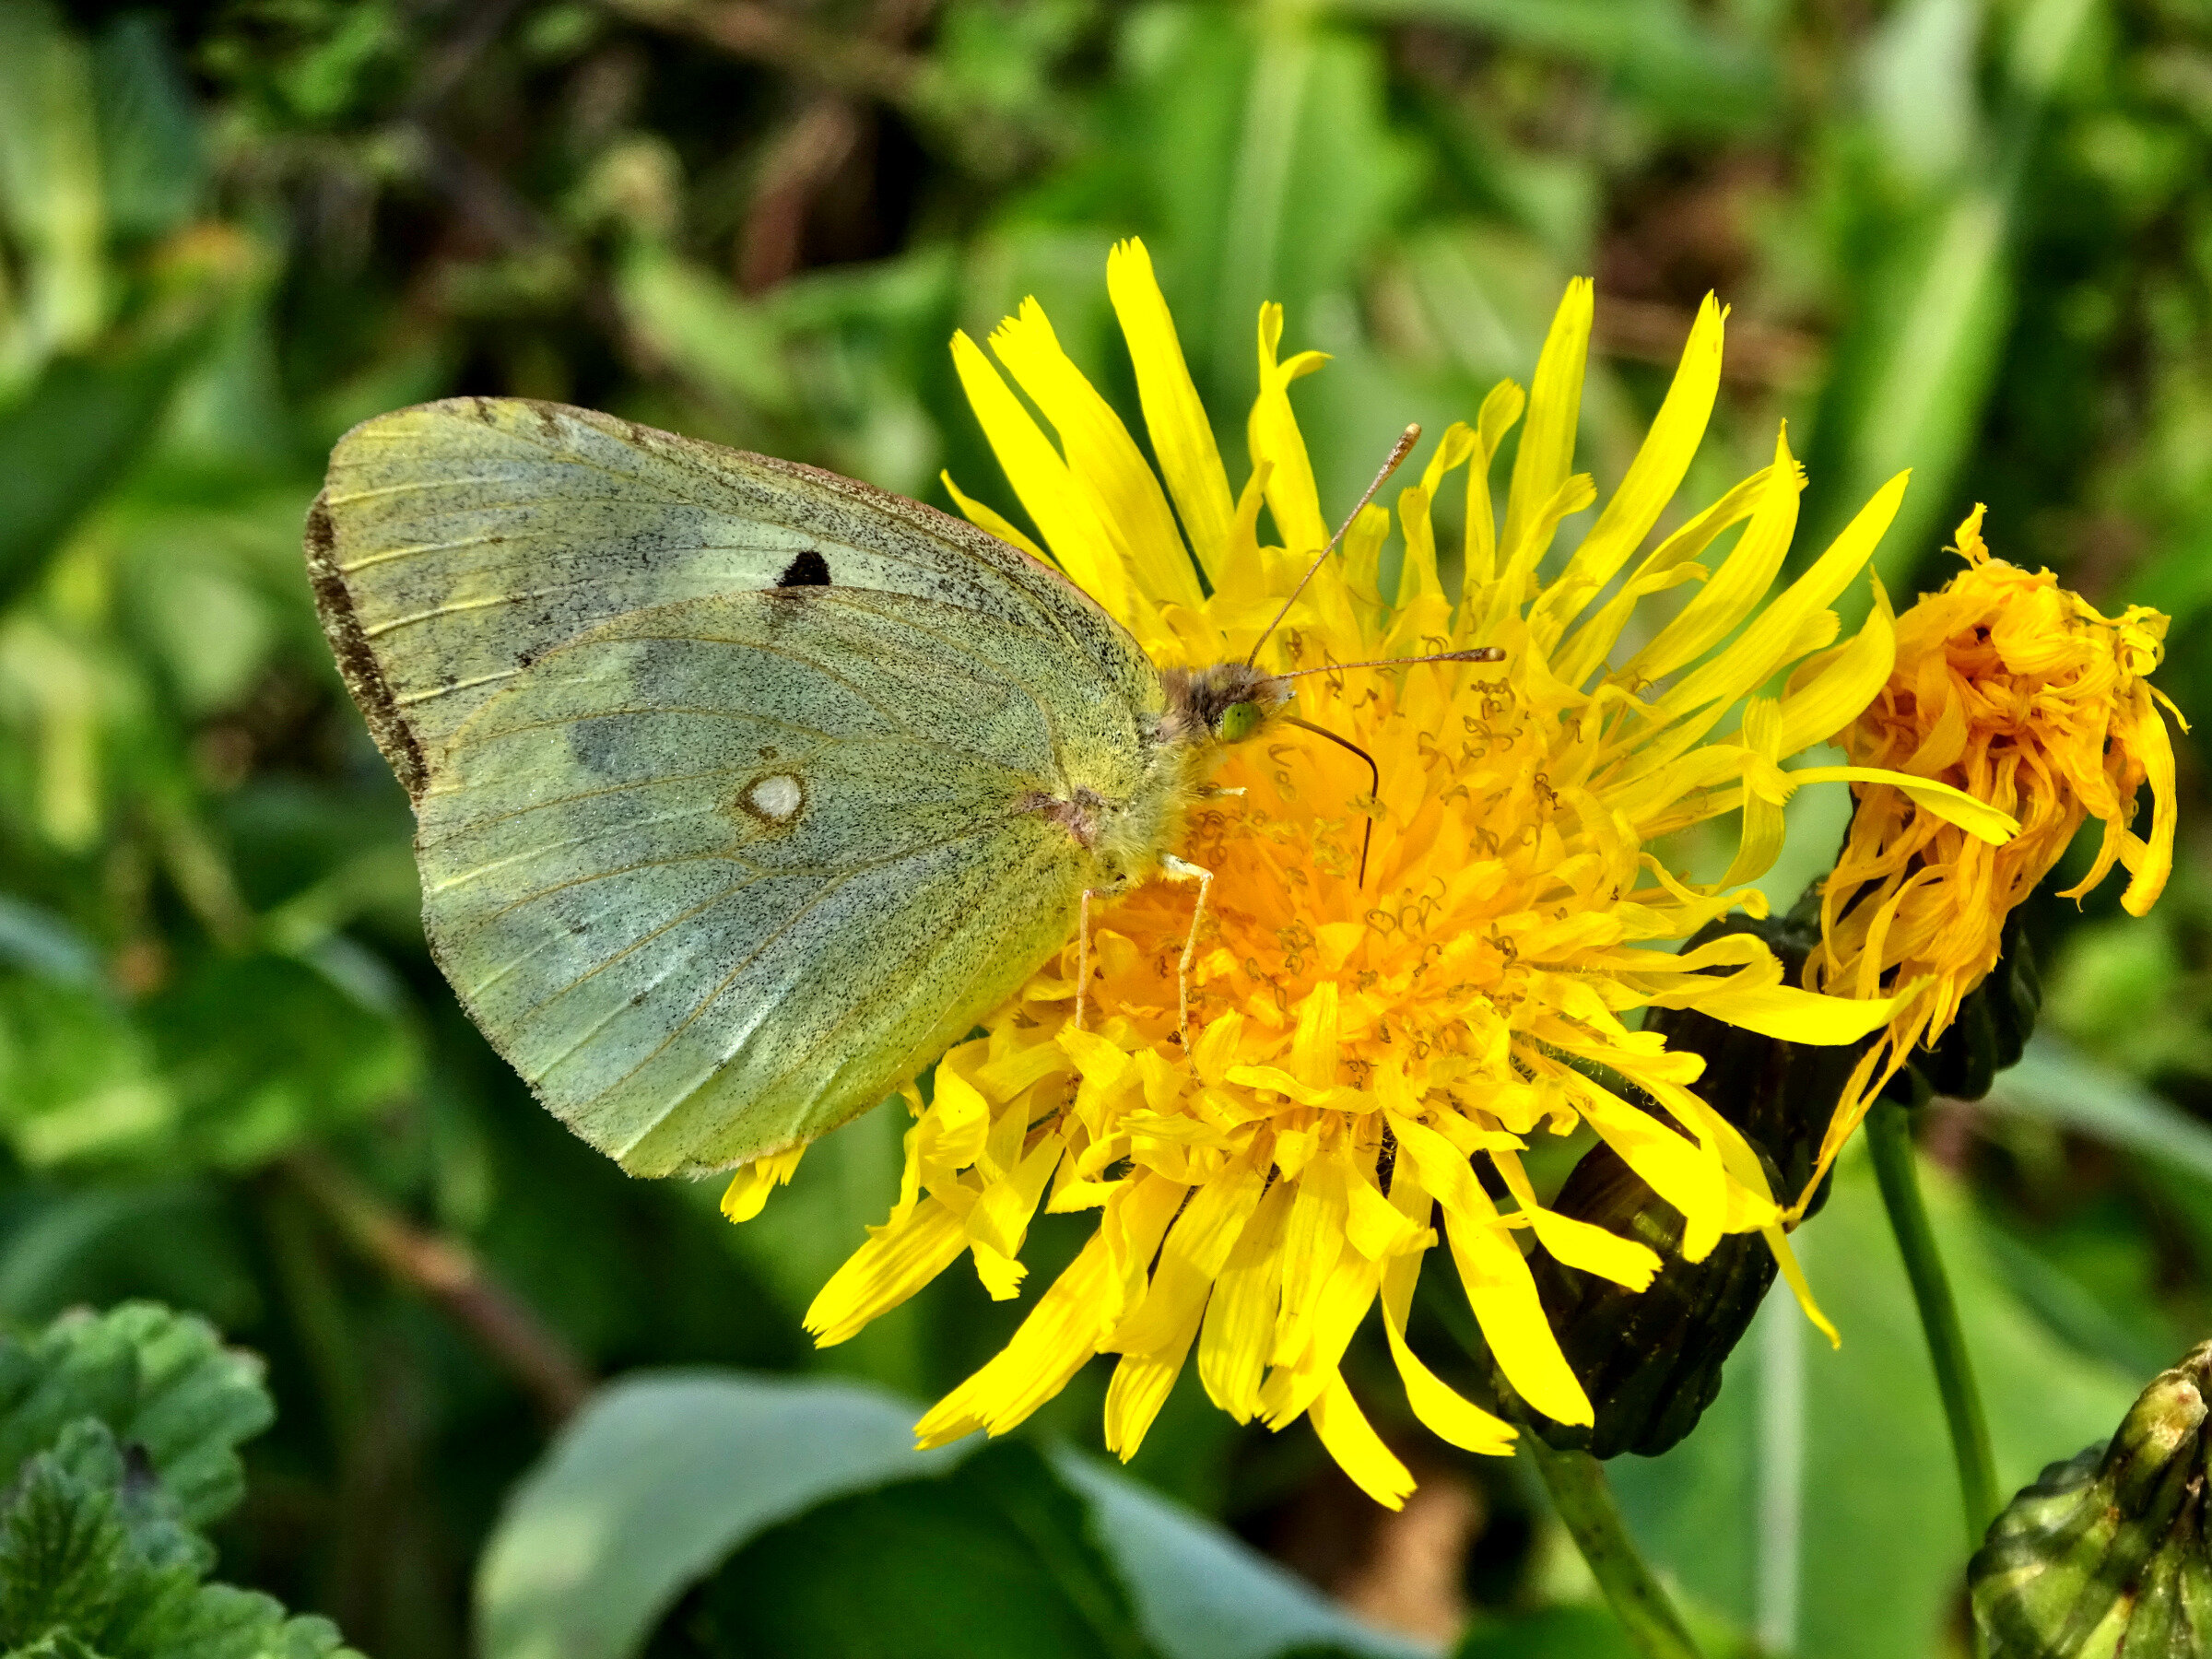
1578, 1243
1104, 462
1274, 436
1239, 1333
895, 1263
1351, 1440
1500, 410
1820, 703
1182, 436
1793, 1275
1735, 590
1554, 405
989, 519
1753, 657
749, 1187
1653, 478
1441, 1409
1976, 817
1042, 479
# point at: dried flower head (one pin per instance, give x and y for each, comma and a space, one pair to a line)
2021, 694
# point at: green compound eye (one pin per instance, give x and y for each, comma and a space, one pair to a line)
1239, 721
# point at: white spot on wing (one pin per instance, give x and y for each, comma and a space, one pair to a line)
777, 797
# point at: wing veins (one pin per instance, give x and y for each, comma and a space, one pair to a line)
842, 879
1044, 848
413, 697
543, 847
570, 800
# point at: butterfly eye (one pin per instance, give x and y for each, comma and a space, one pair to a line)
1239, 721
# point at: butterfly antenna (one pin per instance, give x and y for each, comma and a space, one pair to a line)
1478, 653
1398, 451
1374, 772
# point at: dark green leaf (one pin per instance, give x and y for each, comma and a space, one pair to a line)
663, 1477
152, 163
313, 1057
1584, 1633
991, 1557
159, 1380
92, 1558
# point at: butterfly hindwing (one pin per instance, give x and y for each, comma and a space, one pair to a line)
748, 844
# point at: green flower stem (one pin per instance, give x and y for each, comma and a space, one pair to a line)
1890, 1137
1580, 1492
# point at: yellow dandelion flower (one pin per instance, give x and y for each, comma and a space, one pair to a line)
2021, 694
1356, 1046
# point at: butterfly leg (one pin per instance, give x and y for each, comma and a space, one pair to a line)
1178, 869
1083, 955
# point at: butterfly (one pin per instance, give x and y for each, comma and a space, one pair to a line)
742, 790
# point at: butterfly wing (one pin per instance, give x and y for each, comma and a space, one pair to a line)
454, 542
724, 863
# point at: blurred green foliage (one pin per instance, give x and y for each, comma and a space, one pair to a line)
117, 1444
1974, 236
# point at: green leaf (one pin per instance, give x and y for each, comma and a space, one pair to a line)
159, 1380
313, 1057
1914, 371
1201, 1593
49, 190
77, 1077
1569, 1632
654, 1484
2056, 1083
703, 328
93, 1558
64, 443
663, 1477
991, 1557
152, 162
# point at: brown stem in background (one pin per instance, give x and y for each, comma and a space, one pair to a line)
448, 1272
1759, 354
804, 159
858, 65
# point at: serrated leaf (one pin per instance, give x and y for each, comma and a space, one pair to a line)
64, 1553
94, 1559
157, 1378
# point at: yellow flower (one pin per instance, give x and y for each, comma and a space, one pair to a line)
2021, 694
1356, 1046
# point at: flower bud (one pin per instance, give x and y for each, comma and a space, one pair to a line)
2107, 1553
1651, 1361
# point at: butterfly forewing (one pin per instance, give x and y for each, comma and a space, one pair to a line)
456, 541
714, 858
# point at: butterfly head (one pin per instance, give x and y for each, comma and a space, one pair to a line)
1225, 703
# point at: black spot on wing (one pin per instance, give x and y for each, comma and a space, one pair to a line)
809, 570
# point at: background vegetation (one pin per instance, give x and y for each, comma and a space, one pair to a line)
1974, 236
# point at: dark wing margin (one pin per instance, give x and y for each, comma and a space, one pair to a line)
364, 676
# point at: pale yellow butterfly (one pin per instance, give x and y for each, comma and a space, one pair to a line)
742, 790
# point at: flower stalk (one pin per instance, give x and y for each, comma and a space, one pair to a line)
1585, 1502
1889, 1139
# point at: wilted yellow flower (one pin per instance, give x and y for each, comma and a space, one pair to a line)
1356, 1046
2021, 694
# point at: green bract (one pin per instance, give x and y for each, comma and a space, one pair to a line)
2107, 1553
